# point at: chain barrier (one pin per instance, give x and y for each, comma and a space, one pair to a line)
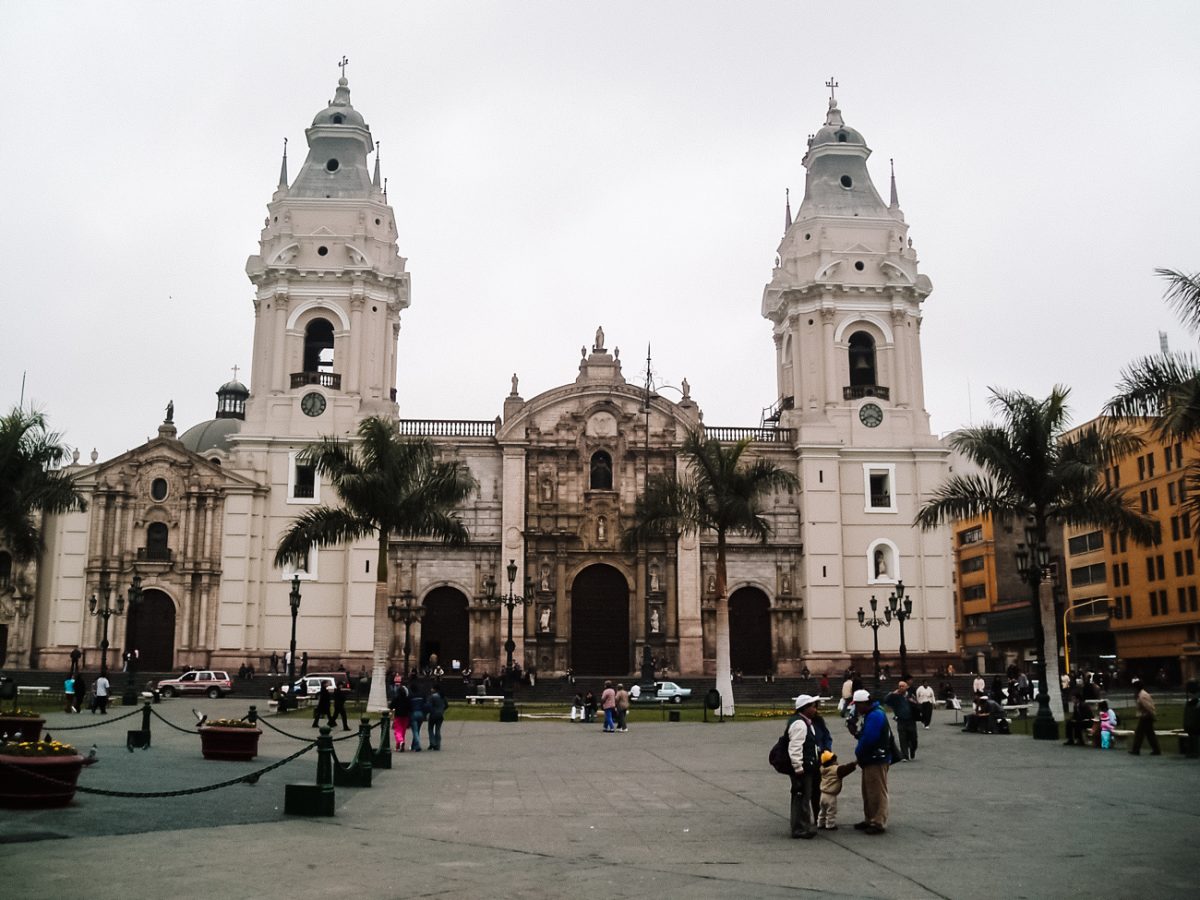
160, 718
296, 737
105, 720
250, 778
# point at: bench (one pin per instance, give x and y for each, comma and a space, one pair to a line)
477, 699
1022, 710
32, 689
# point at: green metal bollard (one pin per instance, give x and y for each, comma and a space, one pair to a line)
382, 758
357, 772
252, 716
314, 799
134, 737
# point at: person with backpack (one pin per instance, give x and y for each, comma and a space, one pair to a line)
873, 755
417, 716
435, 710
802, 752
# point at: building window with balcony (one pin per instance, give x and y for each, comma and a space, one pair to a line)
306, 568
304, 486
862, 360
156, 549
601, 472
879, 485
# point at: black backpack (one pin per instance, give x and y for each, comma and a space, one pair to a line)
780, 759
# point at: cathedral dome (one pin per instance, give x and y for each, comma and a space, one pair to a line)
837, 134
339, 111
211, 435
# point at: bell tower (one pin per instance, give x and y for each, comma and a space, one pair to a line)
845, 300
329, 287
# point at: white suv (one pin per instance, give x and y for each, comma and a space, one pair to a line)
211, 682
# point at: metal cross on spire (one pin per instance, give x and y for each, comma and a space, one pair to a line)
342, 65
235, 371
833, 86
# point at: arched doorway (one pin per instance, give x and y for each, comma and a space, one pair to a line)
152, 632
600, 622
750, 632
445, 628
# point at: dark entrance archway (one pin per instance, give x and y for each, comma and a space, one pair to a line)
445, 629
600, 622
750, 632
152, 632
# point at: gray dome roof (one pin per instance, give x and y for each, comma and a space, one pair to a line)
234, 387
837, 134
339, 111
210, 435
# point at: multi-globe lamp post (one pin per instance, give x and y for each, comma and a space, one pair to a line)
508, 712
901, 609
875, 623
1033, 565
408, 613
105, 612
286, 697
129, 698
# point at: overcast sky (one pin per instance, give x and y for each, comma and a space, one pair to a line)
559, 166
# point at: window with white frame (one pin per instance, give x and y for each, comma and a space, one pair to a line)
306, 568
304, 484
883, 562
879, 486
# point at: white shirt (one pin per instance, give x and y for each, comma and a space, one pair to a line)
101, 686
924, 694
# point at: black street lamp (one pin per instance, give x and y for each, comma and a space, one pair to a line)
105, 613
508, 713
129, 698
900, 607
875, 623
1033, 565
406, 613
287, 698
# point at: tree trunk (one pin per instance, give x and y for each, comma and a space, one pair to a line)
1053, 686
381, 643
724, 675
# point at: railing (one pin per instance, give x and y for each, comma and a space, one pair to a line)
154, 554
447, 427
859, 391
324, 379
304, 491
772, 413
757, 435
881, 501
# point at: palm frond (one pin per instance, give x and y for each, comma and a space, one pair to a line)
1147, 386
964, 496
321, 526
1183, 296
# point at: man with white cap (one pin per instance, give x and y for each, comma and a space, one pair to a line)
874, 757
802, 750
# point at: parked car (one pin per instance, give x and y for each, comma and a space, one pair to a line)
211, 682
667, 691
311, 683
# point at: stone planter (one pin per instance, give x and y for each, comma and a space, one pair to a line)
218, 742
21, 788
30, 729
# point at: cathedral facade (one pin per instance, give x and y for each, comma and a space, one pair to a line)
197, 516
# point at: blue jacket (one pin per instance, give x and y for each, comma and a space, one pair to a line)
874, 738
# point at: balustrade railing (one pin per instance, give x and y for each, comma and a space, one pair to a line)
447, 427
859, 391
323, 379
729, 435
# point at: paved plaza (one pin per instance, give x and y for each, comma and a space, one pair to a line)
555, 809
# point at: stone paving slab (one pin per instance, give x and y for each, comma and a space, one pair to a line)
556, 809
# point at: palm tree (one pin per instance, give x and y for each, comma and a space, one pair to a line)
720, 493
1167, 386
1033, 472
388, 485
31, 481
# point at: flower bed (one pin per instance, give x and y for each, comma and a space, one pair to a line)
229, 739
23, 722
38, 774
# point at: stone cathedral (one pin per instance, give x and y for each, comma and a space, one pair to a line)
197, 514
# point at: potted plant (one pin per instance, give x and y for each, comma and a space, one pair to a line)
234, 739
20, 724
35, 774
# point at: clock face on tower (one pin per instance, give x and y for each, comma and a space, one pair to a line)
870, 414
312, 404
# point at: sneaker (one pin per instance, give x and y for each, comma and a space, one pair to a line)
861, 826
874, 829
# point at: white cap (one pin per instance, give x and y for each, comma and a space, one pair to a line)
862, 696
804, 700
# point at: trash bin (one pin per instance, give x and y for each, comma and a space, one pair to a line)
713, 699
673, 715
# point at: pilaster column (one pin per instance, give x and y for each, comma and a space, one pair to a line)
279, 382
354, 375
829, 352
901, 376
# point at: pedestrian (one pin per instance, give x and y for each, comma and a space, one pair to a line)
577, 708
635, 692
1079, 723
435, 710
802, 751
925, 703
906, 723
832, 776
824, 686
303, 663
80, 689
589, 706
417, 717
339, 707
274, 663
76, 655
622, 708
1191, 719
608, 702
847, 693
1145, 725
1106, 726
401, 705
978, 686
101, 688
69, 693
874, 759
322, 710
